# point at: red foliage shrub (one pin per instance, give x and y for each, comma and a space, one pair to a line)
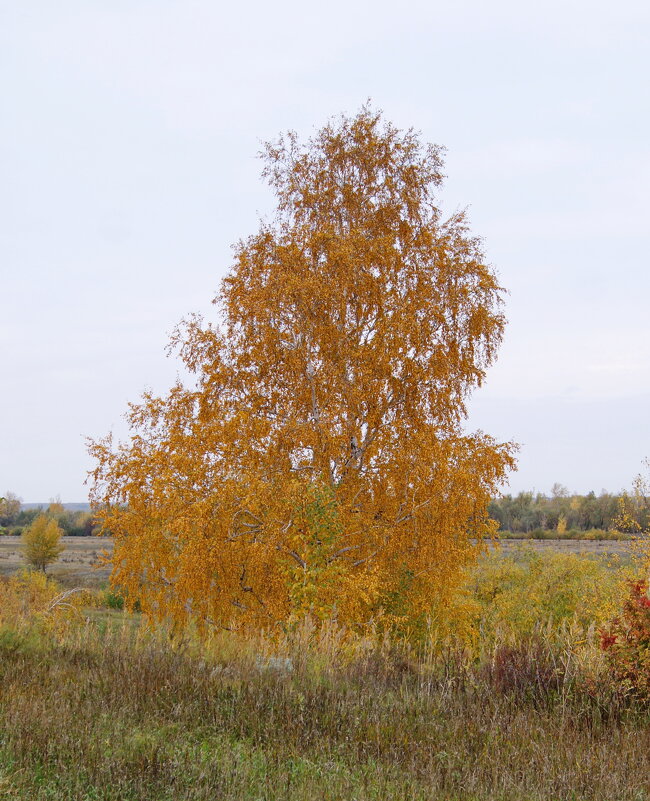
627, 643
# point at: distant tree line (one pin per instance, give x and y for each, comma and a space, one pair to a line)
525, 513
14, 519
563, 512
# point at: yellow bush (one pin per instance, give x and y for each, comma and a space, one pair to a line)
513, 595
30, 598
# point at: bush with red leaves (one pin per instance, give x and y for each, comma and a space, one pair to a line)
627, 643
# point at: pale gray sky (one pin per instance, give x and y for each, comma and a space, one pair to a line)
127, 168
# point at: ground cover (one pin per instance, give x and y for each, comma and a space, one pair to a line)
521, 706
79, 562
105, 717
78, 565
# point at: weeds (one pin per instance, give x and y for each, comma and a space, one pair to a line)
109, 711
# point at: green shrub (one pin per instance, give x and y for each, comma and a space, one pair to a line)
113, 600
13, 641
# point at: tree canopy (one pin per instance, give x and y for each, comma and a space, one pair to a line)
9, 508
42, 542
317, 464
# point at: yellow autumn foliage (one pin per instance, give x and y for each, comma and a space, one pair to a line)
42, 542
514, 595
30, 598
317, 465
633, 519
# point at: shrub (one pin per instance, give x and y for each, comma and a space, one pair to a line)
13, 641
627, 643
113, 600
528, 669
516, 593
32, 599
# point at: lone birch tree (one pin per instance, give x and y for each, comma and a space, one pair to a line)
318, 464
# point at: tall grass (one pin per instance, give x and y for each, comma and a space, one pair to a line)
103, 710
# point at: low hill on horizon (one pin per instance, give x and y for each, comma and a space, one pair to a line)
70, 507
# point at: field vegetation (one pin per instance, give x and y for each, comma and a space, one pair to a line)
508, 694
78, 565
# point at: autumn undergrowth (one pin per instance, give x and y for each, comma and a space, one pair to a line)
94, 706
588, 535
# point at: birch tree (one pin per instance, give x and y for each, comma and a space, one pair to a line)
318, 462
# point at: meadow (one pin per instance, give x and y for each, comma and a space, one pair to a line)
78, 565
518, 703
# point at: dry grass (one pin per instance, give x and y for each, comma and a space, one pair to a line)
77, 566
107, 713
102, 710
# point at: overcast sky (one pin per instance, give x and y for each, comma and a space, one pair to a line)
128, 139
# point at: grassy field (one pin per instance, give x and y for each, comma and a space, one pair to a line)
102, 716
78, 564
605, 548
95, 707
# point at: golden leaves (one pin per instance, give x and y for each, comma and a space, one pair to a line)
319, 465
42, 540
